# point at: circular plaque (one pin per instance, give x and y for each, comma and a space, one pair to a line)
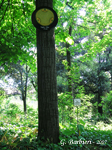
44, 18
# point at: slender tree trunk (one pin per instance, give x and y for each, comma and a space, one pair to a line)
111, 79
69, 62
22, 92
24, 87
99, 102
70, 88
47, 86
100, 110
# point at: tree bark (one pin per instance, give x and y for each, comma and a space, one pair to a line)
111, 79
24, 87
69, 62
47, 85
22, 92
100, 110
99, 102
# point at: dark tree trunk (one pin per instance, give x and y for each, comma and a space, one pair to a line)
47, 86
99, 102
100, 110
24, 87
111, 79
70, 88
69, 62
22, 92
24, 103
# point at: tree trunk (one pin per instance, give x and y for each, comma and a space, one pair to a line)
22, 92
110, 79
99, 102
69, 62
70, 88
24, 87
24, 103
47, 86
100, 110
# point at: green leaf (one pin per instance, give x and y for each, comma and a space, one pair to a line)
69, 40
81, 127
82, 122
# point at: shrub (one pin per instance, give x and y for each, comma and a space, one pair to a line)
12, 110
107, 107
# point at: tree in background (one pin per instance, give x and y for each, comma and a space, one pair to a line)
95, 80
19, 73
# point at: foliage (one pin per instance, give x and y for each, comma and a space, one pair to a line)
65, 106
18, 132
86, 104
107, 101
16, 31
60, 84
2, 97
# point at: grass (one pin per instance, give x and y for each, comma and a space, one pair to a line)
19, 132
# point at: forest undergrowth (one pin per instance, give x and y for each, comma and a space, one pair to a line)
19, 131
